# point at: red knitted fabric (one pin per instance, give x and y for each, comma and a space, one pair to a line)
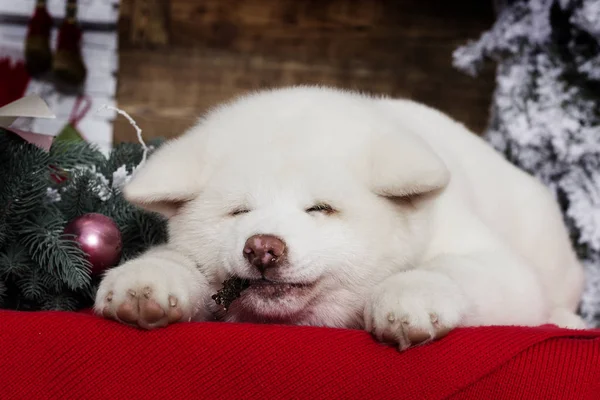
49, 355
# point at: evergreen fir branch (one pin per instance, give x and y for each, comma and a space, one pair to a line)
24, 183
81, 195
128, 155
55, 252
123, 214
153, 228
139, 229
60, 302
33, 285
3, 291
14, 298
53, 283
14, 261
68, 155
4, 233
40, 267
119, 209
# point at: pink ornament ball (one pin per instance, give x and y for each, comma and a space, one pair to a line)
100, 239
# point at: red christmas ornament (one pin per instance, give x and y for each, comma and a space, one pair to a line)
99, 237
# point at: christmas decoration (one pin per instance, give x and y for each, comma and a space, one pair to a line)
68, 66
546, 110
30, 106
99, 238
70, 131
14, 79
97, 46
231, 290
40, 266
38, 55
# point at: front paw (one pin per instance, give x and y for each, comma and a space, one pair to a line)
414, 307
150, 293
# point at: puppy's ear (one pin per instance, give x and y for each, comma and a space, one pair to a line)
168, 179
403, 165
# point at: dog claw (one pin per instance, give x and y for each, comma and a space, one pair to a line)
106, 313
434, 318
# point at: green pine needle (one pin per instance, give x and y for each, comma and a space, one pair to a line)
34, 284
58, 254
2, 292
40, 267
14, 261
60, 302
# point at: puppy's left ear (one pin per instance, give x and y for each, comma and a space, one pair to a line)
404, 165
170, 178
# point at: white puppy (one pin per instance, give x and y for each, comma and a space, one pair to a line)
345, 210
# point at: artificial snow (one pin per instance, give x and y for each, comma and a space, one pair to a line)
546, 112
52, 195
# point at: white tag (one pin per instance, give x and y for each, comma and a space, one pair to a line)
29, 106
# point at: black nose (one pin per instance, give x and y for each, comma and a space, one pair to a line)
264, 251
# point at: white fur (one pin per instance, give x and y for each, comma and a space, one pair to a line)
434, 229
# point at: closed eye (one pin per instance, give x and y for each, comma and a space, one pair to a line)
239, 211
323, 208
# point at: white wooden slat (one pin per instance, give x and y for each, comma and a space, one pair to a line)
99, 52
89, 11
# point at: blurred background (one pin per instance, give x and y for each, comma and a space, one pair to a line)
167, 61
179, 57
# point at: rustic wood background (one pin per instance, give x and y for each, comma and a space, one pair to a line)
179, 57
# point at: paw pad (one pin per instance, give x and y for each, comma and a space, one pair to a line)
141, 309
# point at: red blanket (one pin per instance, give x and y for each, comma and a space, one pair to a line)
72, 356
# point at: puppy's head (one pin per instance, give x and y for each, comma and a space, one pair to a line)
312, 195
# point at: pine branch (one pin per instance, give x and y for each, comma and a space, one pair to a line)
139, 229
81, 194
23, 181
34, 284
69, 155
60, 302
14, 261
153, 227
4, 232
3, 291
40, 267
55, 252
128, 155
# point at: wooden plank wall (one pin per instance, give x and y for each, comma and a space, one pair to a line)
179, 57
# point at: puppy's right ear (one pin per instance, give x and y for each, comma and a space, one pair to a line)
404, 165
168, 179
